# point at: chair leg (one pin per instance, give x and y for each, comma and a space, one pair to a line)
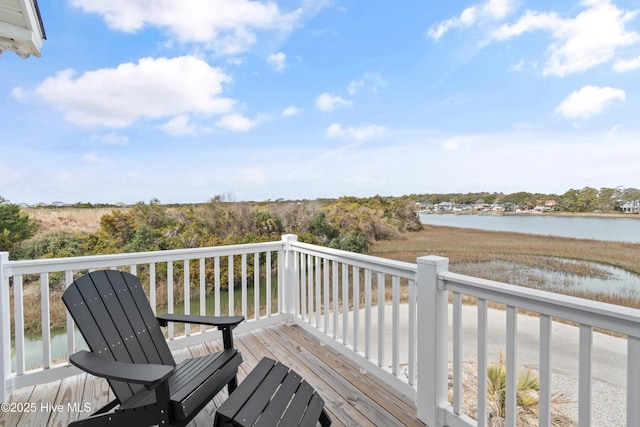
231, 385
325, 420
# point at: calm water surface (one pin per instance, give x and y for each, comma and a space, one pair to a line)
597, 228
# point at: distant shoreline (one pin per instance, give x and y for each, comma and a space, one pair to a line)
567, 214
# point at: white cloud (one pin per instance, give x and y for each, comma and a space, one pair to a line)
278, 61
357, 133
580, 43
92, 157
519, 66
236, 61
19, 94
488, 10
112, 138
180, 126
498, 9
236, 122
454, 143
225, 26
327, 102
466, 19
354, 86
371, 81
627, 64
151, 89
291, 110
589, 101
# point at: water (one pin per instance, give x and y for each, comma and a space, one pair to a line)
597, 228
33, 348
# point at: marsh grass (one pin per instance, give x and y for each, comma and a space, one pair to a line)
69, 219
470, 251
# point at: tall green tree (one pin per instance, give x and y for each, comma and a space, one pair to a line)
15, 226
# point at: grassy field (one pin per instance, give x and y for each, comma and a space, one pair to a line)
68, 219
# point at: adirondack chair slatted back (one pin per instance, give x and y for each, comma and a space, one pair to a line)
113, 314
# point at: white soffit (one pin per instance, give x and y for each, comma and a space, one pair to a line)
21, 28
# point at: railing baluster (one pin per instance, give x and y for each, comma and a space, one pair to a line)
318, 291
310, 288
46, 320
231, 285
281, 275
256, 285
585, 379
395, 325
412, 336
334, 276
381, 304
71, 336
267, 270
356, 308
152, 286
345, 303
512, 377
325, 265
216, 286
482, 362
203, 283
296, 274
303, 286
457, 353
187, 294
170, 327
245, 308
367, 313
544, 400
18, 312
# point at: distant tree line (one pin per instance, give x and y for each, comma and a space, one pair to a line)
587, 199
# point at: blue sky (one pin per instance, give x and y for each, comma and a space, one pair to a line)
184, 100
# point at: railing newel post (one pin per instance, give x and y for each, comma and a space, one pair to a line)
432, 391
290, 280
5, 328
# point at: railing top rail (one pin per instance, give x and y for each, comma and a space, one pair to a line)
598, 314
399, 268
99, 261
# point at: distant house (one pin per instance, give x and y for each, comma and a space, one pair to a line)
424, 206
445, 206
631, 207
21, 28
545, 205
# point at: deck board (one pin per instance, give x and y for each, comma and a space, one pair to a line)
351, 398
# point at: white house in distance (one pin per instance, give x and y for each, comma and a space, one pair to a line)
21, 28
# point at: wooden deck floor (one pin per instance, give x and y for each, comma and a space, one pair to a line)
352, 399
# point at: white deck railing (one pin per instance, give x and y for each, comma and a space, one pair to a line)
389, 317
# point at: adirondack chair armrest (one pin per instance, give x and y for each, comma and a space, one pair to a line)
224, 323
149, 375
220, 321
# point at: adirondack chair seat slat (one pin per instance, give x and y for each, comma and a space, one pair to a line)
272, 395
189, 386
113, 314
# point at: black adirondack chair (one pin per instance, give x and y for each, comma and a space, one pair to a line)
128, 348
